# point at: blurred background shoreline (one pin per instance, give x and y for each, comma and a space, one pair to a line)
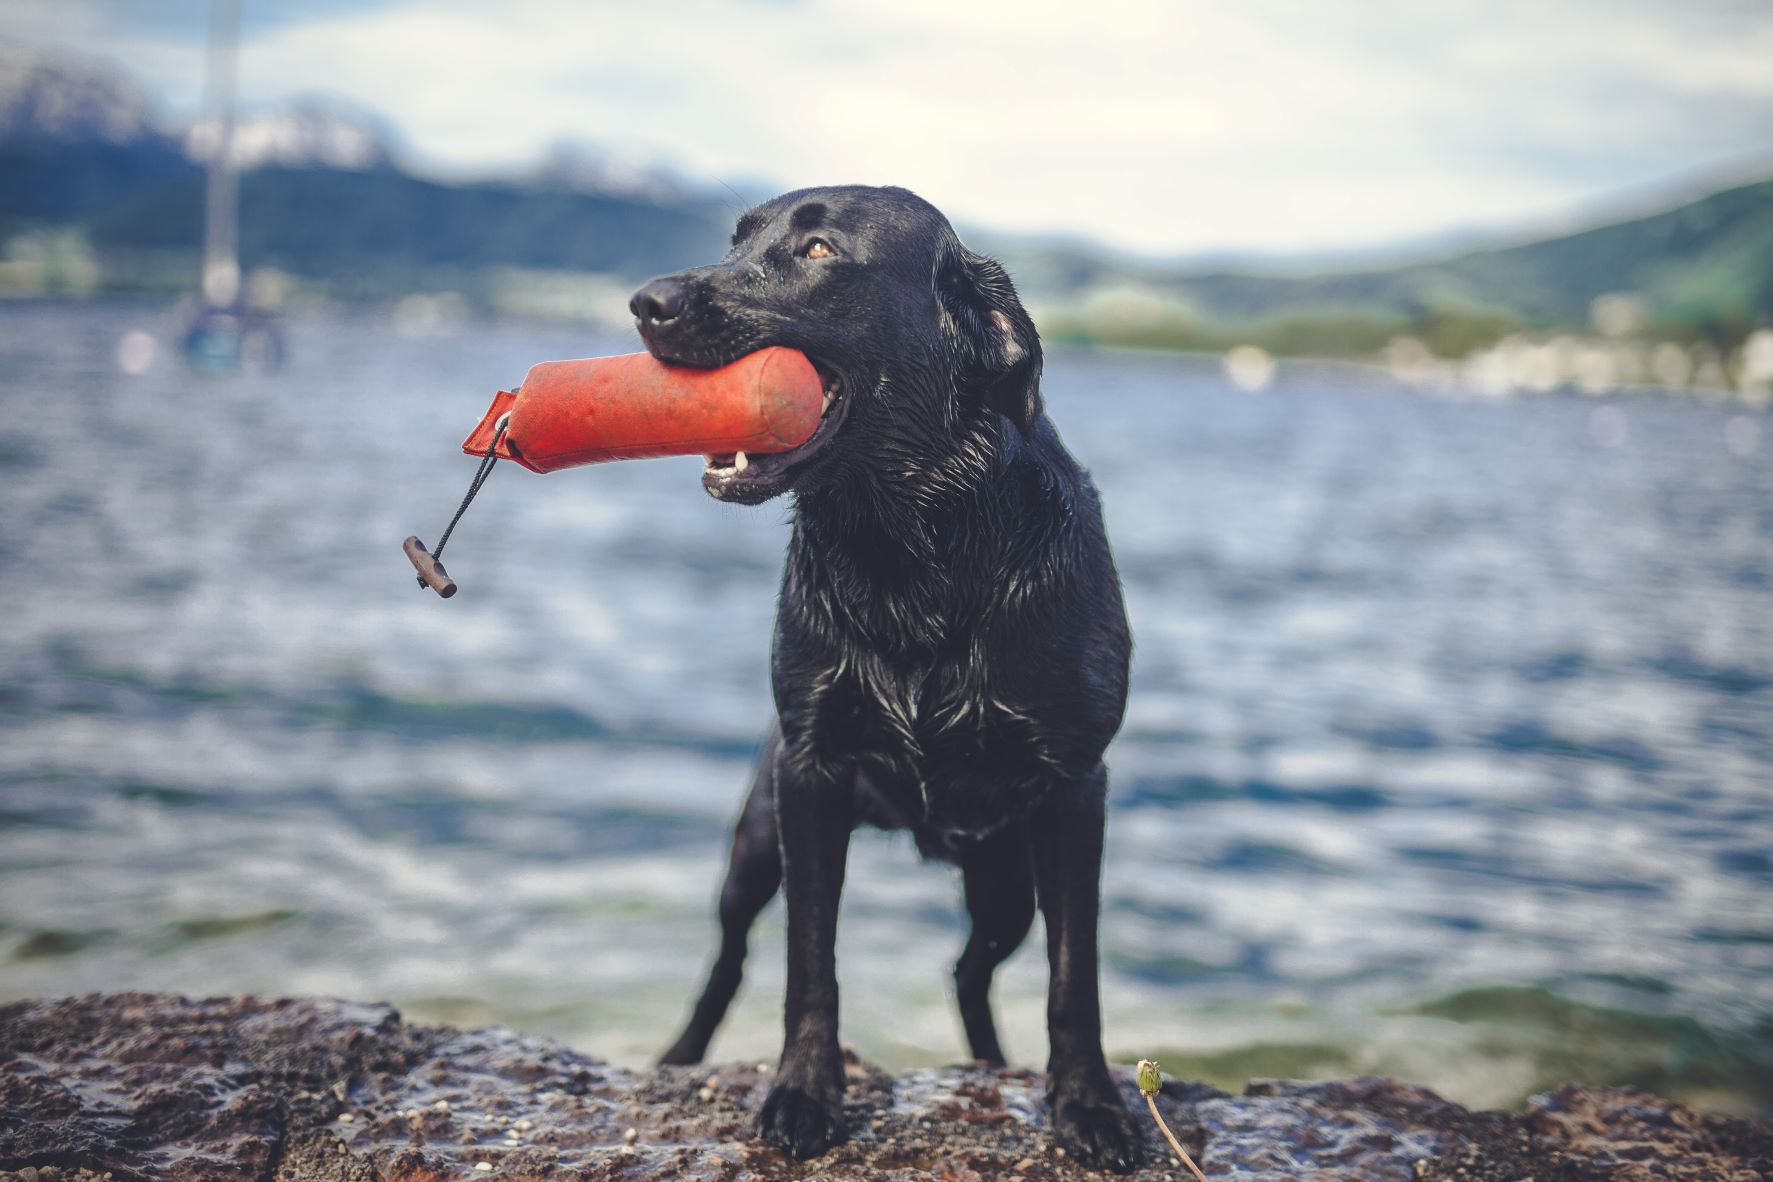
104, 196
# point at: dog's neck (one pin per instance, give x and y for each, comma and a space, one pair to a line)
911, 503
906, 555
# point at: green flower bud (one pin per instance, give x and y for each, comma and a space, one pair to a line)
1151, 1082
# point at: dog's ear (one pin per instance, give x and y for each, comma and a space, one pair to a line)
994, 338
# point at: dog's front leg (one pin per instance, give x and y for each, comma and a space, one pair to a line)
1089, 1115
803, 1114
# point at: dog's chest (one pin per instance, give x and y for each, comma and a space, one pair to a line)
910, 672
942, 751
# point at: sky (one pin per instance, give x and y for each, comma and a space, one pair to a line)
1162, 127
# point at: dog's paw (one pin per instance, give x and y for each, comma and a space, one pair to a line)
1099, 1134
683, 1053
799, 1124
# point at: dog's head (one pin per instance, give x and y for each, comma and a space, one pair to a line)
921, 343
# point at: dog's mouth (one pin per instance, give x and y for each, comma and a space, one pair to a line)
739, 476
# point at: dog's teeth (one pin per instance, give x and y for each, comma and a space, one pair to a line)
827, 405
739, 462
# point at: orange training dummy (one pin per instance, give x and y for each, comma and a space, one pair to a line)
568, 413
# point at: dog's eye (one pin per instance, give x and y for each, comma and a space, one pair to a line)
818, 248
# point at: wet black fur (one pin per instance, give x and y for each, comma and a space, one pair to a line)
950, 649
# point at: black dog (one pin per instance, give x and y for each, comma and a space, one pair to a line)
950, 649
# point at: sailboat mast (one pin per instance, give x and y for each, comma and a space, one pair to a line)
221, 207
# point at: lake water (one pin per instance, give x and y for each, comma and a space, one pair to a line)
1449, 754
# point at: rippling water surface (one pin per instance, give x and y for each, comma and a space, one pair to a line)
1450, 750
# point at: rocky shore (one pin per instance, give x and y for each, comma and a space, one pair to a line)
139, 1087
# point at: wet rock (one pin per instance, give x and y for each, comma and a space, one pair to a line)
147, 1087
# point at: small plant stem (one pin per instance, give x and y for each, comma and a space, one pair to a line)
1151, 1103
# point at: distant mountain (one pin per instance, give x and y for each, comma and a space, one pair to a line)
74, 137
308, 133
61, 98
586, 168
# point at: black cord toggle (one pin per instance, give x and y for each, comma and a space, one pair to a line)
429, 564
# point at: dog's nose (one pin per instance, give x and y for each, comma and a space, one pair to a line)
659, 301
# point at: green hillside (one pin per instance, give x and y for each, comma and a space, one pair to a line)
1712, 258
1703, 270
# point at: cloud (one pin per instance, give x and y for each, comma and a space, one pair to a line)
1160, 126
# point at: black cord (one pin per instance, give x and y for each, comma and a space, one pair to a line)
486, 466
